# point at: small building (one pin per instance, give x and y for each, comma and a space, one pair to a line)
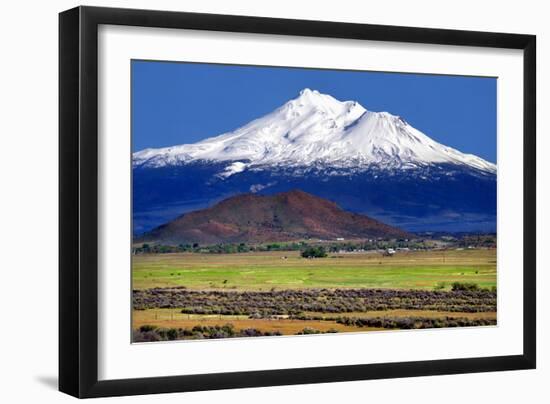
389, 252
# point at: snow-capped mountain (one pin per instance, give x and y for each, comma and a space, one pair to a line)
315, 129
372, 163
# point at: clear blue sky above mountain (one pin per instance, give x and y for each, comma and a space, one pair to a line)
177, 103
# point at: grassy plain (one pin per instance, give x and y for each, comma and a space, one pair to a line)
265, 271
287, 270
168, 318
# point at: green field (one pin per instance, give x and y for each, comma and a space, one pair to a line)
287, 270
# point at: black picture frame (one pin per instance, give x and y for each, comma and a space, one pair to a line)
78, 201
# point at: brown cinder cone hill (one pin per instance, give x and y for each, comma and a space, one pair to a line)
254, 218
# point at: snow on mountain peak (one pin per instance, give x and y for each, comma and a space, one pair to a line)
308, 91
314, 129
315, 98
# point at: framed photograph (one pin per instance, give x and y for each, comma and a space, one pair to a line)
252, 202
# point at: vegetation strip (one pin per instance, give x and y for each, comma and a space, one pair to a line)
148, 333
408, 323
294, 302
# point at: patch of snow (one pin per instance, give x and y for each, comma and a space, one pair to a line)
236, 167
258, 187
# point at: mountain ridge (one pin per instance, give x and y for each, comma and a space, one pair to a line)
316, 128
371, 163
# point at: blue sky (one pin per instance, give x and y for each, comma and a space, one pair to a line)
177, 103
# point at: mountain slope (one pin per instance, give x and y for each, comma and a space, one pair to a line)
316, 128
255, 218
371, 163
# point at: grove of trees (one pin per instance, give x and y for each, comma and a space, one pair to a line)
314, 252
